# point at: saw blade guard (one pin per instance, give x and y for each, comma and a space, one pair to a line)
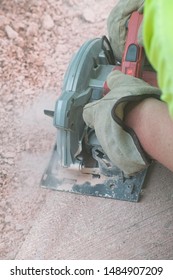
83, 83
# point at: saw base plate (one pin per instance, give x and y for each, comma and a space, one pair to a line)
76, 180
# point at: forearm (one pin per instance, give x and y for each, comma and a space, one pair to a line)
151, 122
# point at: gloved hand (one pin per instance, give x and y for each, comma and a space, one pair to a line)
106, 116
116, 24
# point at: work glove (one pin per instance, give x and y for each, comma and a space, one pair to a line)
117, 24
106, 117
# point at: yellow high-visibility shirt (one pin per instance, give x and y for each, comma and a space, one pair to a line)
158, 43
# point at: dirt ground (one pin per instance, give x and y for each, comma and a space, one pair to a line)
37, 40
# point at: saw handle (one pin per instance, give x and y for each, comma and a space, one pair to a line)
134, 55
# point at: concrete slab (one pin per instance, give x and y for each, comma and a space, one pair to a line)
80, 227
